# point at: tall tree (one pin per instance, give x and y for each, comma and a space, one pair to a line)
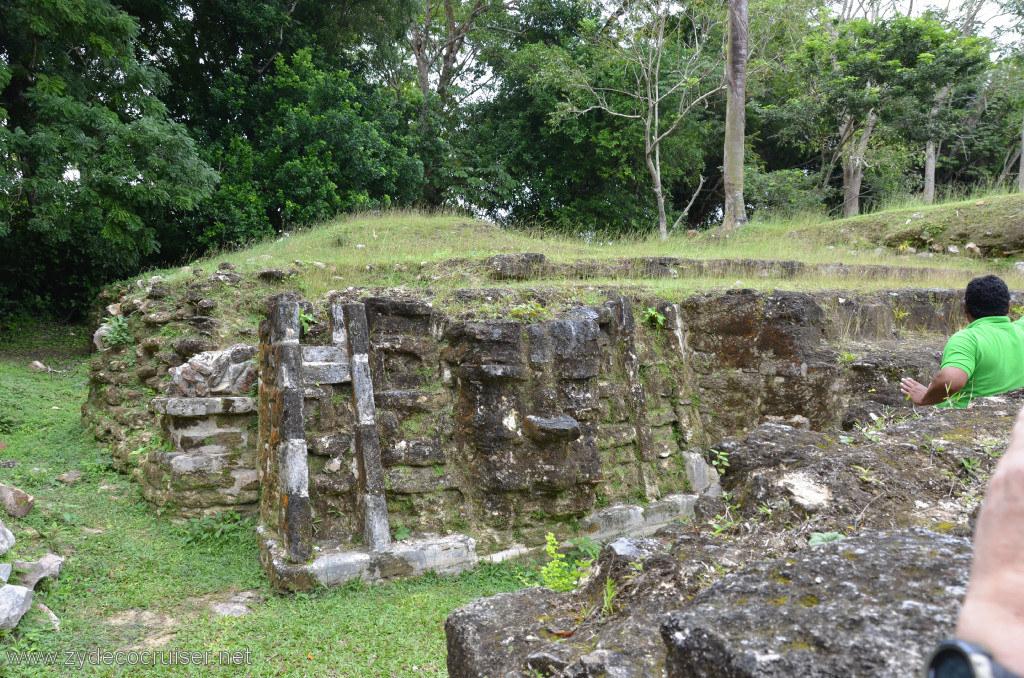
656, 63
445, 44
737, 55
337, 142
93, 170
966, 25
862, 75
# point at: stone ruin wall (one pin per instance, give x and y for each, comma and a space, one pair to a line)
500, 429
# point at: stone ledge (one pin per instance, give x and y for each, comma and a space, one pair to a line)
635, 521
201, 407
444, 555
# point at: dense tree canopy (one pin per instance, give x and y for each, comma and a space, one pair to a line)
139, 132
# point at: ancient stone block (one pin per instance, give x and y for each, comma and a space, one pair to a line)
551, 430
325, 373
421, 452
418, 480
476, 343
331, 444
411, 401
190, 346
516, 266
575, 346
387, 315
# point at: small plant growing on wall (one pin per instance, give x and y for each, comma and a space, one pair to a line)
653, 318
118, 333
530, 312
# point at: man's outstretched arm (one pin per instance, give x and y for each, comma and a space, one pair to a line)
993, 612
948, 381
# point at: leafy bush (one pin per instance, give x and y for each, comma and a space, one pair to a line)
530, 312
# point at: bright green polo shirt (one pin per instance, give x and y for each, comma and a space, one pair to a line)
991, 352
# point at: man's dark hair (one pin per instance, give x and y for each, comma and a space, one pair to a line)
987, 296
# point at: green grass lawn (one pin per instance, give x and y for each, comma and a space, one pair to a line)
134, 579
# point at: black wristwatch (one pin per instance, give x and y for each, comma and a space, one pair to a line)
958, 659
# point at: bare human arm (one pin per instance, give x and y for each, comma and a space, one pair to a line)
993, 612
945, 383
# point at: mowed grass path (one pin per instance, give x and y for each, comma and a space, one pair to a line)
133, 578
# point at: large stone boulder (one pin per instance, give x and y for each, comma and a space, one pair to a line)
925, 467
868, 606
601, 629
894, 593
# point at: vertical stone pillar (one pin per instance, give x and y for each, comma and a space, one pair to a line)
636, 397
283, 383
376, 530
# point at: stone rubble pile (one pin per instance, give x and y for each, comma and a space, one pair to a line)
16, 599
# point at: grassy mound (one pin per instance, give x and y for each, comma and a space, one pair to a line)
405, 249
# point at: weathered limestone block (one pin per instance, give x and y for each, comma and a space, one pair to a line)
16, 503
417, 480
15, 601
331, 444
376, 529
517, 266
497, 342
32, 572
866, 606
416, 452
227, 372
575, 346
6, 539
471, 631
187, 347
543, 430
202, 407
411, 401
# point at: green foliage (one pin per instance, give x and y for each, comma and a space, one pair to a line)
530, 312
118, 332
782, 192
402, 533
92, 170
824, 537
228, 526
306, 319
584, 549
720, 460
559, 574
280, 160
653, 318
608, 593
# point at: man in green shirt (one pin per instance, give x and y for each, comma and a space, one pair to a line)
985, 358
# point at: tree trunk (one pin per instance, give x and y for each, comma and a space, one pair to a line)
929, 173
853, 175
737, 54
1020, 173
853, 167
654, 165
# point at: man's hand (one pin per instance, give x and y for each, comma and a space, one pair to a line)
914, 390
948, 381
993, 612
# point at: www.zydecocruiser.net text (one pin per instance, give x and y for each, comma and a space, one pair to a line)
81, 658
